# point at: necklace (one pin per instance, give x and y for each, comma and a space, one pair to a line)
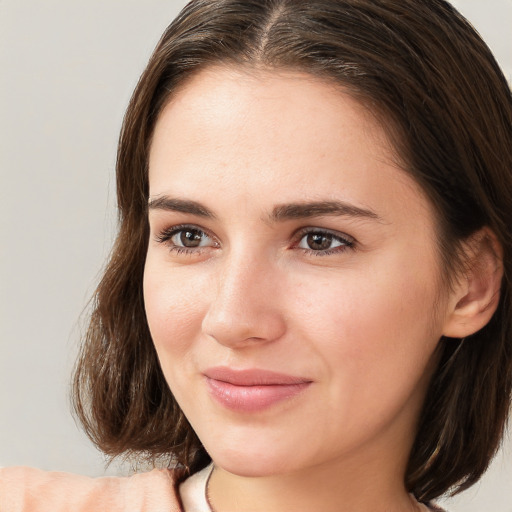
207, 492
418, 507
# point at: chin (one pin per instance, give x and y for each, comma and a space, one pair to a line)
250, 463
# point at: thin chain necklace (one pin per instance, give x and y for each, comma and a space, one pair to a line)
418, 507
207, 491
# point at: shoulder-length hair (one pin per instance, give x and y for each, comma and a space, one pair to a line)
427, 75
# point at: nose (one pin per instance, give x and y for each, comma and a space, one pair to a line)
245, 308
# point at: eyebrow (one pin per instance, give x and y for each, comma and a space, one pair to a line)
280, 213
180, 205
320, 208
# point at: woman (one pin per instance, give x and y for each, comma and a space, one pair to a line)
311, 281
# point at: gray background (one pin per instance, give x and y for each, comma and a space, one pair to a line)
67, 69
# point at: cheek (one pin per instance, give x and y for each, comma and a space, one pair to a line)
374, 319
174, 304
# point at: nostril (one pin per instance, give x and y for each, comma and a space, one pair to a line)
244, 307
246, 325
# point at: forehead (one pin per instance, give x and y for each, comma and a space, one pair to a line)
221, 96
239, 131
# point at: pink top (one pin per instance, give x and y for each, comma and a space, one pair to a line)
32, 490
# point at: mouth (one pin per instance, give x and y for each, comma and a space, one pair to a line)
252, 390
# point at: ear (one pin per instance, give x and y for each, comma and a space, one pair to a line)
477, 293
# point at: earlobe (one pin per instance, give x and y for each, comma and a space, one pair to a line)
477, 294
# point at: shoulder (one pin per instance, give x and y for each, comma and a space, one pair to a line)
25, 489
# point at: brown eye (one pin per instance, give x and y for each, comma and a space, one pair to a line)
190, 238
324, 242
318, 242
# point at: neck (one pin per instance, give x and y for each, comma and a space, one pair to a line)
338, 487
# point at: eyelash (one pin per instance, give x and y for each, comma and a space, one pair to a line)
166, 235
346, 242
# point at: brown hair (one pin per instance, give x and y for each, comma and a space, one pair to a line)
424, 68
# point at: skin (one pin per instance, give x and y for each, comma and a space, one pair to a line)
361, 322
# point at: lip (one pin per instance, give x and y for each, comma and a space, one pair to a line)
252, 390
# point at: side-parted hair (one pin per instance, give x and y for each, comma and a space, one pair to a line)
437, 90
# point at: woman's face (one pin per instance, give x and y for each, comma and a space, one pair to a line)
292, 280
